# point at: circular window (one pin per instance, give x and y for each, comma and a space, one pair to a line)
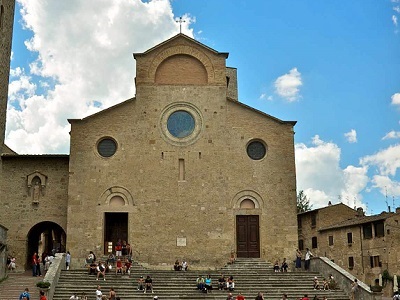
256, 150
107, 147
180, 124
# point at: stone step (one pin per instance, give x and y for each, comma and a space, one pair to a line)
169, 284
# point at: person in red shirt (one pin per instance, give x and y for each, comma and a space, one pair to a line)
42, 296
118, 267
127, 267
240, 297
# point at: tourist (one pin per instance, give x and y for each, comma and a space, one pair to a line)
91, 258
230, 297
118, 267
240, 297
34, 264
284, 266
140, 283
118, 249
67, 260
354, 289
221, 283
316, 283
110, 259
148, 284
112, 294
101, 270
11, 264
259, 296
25, 295
177, 266
129, 252
200, 283
325, 285
298, 259
84, 297
208, 284
276, 266
99, 294
307, 259
123, 249
230, 284
284, 297
74, 297
42, 295
232, 258
396, 295
38, 271
184, 265
305, 297
127, 267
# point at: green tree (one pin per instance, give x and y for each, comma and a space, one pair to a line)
303, 203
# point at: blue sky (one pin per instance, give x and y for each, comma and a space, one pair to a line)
333, 66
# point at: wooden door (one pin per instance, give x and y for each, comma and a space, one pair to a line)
116, 228
247, 236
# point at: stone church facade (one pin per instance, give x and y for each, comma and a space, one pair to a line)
181, 170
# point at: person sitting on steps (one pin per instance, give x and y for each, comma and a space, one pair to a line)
148, 284
101, 270
284, 266
177, 266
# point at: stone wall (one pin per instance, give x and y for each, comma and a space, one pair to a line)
20, 211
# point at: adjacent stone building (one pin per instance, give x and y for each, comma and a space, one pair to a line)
366, 246
181, 170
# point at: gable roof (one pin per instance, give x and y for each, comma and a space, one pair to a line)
180, 35
358, 221
101, 111
260, 112
333, 206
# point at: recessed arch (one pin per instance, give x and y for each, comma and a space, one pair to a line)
182, 50
244, 197
117, 196
45, 237
181, 69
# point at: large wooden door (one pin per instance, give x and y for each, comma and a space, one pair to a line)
247, 236
116, 228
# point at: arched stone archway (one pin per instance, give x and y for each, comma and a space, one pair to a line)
45, 237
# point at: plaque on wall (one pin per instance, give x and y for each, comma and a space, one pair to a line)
181, 242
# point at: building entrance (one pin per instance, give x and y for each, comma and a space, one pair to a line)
116, 228
247, 236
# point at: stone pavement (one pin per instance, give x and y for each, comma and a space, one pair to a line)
14, 285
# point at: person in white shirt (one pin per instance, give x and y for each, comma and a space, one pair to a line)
307, 259
99, 294
74, 297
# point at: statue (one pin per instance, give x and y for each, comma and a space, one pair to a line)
36, 192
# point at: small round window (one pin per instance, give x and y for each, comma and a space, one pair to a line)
256, 150
180, 124
107, 147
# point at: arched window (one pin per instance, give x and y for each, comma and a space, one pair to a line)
1, 16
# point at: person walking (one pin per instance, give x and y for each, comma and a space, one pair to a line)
307, 259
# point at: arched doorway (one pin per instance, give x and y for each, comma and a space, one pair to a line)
45, 237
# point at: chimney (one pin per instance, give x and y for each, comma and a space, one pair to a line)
360, 212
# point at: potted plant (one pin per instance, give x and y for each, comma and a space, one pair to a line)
43, 285
376, 288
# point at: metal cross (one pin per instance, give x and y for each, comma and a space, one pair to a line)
180, 21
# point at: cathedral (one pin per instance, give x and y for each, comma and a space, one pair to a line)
182, 170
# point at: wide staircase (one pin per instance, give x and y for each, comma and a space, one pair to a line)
251, 276
15, 284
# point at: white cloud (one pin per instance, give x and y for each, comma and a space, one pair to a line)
397, 9
392, 135
266, 97
287, 85
84, 54
387, 161
394, 20
320, 176
396, 99
351, 136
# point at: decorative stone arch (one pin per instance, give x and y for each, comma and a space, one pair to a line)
117, 192
247, 195
41, 176
186, 50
